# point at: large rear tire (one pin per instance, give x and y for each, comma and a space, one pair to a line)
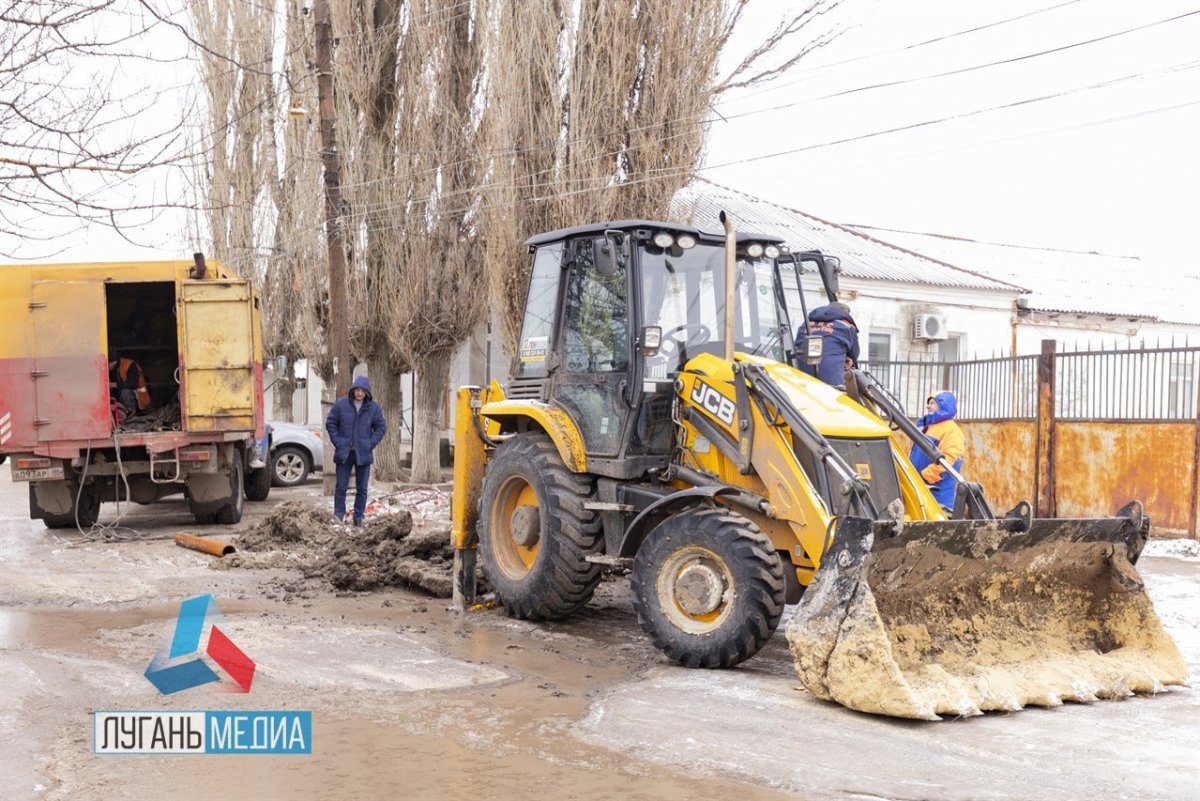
231, 512
534, 533
708, 588
258, 484
87, 506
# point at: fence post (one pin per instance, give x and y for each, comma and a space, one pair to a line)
1047, 501
1194, 512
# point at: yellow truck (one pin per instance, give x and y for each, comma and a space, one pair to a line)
192, 329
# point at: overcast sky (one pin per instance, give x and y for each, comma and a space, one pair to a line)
1107, 162
1113, 169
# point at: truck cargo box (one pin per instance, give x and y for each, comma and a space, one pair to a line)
193, 330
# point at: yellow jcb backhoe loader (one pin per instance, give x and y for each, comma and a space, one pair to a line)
654, 419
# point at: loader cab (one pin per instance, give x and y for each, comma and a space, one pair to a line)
615, 310
804, 281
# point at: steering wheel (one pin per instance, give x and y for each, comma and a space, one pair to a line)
703, 332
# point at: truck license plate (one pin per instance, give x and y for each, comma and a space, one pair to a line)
37, 474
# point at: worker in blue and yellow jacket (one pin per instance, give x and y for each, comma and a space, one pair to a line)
939, 426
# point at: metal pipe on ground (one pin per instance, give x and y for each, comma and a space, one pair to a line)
195, 542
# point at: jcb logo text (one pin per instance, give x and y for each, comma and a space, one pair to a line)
714, 402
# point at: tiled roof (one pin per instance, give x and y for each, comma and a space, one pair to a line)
863, 256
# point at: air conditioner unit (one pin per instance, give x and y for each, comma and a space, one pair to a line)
929, 326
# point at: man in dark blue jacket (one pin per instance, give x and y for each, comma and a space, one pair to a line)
839, 337
355, 425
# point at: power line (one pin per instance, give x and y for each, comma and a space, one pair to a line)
1013, 60
927, 123
905, 48
662, 173
608, 155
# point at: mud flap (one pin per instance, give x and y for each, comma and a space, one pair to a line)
926, 619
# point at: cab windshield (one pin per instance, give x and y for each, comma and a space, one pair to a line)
683, 292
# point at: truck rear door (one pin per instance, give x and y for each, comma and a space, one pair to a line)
216, 346
70, 372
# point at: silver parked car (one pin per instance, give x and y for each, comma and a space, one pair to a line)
296, 451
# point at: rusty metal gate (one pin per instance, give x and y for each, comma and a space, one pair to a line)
1080, 433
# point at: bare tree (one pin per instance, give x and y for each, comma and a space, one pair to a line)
239, 110
440, 301
409, 98
295, 319
67, 148
370, 97
606, 112
261, 172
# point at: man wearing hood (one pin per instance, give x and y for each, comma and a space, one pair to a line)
839, 336
355, 425
939, 426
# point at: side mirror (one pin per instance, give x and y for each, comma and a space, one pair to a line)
830, 266
604, 255
811, 349
651, 340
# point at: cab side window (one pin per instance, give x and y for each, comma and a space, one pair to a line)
595, 317
534, 344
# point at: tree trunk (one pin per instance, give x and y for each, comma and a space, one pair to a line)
388, 392
433, 375
283, 394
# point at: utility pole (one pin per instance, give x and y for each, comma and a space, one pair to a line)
332, 161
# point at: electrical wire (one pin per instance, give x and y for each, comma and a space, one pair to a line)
661, 173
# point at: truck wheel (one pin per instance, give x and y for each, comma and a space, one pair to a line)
534, 533
708, 588
289, 466
88, 508
232, 512
258, 484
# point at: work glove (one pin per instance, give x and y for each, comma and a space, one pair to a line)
921, 421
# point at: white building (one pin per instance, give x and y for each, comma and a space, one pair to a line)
907, 306
922, 296
1083, 300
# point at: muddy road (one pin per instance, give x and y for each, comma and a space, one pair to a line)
411, 701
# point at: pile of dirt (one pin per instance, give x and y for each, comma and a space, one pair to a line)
291, 523
386, 551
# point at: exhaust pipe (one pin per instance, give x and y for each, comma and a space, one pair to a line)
199, 268
730, 275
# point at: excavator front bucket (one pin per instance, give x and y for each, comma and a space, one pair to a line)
925, 619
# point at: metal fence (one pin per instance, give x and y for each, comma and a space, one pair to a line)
1134, 384
1145, 384
986, 389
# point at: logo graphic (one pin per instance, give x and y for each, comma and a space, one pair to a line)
183, 664
714, 402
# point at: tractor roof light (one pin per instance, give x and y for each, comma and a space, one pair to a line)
686, 241
664, 240
772, 251
754, 250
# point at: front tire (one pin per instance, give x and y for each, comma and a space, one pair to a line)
534, 533
708, 588
258, 484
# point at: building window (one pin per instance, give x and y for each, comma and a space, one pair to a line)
879, 349
879, 357
949, 349
1181, 389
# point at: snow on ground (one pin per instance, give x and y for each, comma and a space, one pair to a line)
1176, 548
